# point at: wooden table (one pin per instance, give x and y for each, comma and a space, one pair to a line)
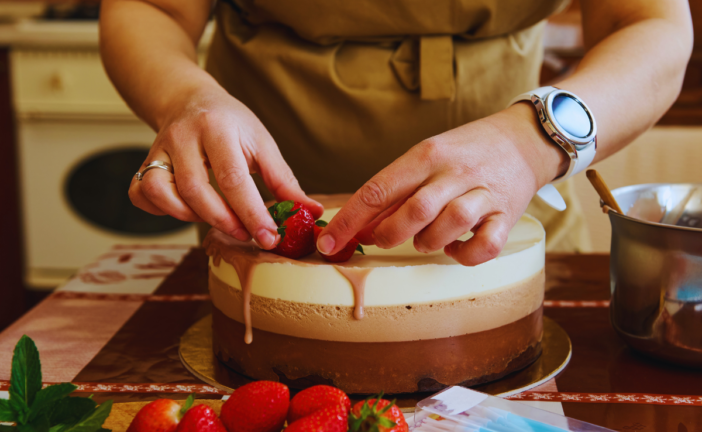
115, 328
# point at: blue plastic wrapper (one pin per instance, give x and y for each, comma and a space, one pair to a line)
458, 409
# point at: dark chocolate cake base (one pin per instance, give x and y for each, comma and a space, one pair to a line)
371, 367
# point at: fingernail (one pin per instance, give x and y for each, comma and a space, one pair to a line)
417, 246
266, 239
325, 244
241, 234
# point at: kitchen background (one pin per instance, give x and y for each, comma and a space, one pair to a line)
69, 147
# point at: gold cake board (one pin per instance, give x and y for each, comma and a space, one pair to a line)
197, 356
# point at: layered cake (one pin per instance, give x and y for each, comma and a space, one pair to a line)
393, 320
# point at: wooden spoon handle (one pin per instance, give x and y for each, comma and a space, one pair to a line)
602, 190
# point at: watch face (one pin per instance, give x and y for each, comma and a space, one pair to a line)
571, 116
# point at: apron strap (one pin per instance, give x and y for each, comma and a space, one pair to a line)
426, 65
436, 68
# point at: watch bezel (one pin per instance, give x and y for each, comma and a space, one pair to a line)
579, 142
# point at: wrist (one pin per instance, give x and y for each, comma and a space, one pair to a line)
192, 95
547, 159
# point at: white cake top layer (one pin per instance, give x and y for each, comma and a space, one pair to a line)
401, 275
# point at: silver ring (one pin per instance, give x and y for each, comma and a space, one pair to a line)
155, 164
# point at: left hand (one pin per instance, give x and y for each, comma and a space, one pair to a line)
478, 177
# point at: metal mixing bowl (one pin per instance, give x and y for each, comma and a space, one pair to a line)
656, 270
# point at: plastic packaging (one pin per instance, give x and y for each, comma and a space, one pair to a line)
458, 409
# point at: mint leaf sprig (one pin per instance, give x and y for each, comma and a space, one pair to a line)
50, 409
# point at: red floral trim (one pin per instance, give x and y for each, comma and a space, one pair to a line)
630, 398
576, 303
137, 388
73, 295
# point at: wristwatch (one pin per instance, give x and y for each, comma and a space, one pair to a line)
568, 121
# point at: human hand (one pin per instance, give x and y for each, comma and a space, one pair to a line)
209, 128
478, 177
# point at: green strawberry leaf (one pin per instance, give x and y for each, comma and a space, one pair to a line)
281, 233
271, 210
47, 397
70, 410
280, 212
386, 422
359, 248
187, 405
25, 381
321, 223
7, 414
91, 422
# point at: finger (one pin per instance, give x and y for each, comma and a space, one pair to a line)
416, 213
136, 196
194, 187
281, 181
486, 244
234, 179
366, 235
393, 183
159, 188
458, 218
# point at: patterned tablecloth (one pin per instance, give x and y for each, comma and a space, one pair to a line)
114, 330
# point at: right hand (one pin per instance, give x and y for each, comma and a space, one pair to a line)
210, 128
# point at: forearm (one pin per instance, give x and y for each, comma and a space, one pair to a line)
151, 55
631, 78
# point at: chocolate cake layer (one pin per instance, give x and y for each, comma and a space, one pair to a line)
371, 367
390, 323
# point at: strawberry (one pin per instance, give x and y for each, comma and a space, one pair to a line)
377, 415
315, 398
200, 418
333, 418
260, 406
161, 415
295, 227
344, 254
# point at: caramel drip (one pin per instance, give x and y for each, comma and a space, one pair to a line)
244, 269
357, 278
244, 257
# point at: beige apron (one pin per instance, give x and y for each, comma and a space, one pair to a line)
346, 87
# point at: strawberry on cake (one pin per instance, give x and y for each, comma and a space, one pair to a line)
391, 320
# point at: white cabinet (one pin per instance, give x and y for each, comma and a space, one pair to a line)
78, 145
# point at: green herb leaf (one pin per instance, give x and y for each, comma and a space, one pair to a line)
70, 410
360, 249
47, 397
92, 422
20, 408
7, 414
187, 405
25, 381
41, 424
321, 223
